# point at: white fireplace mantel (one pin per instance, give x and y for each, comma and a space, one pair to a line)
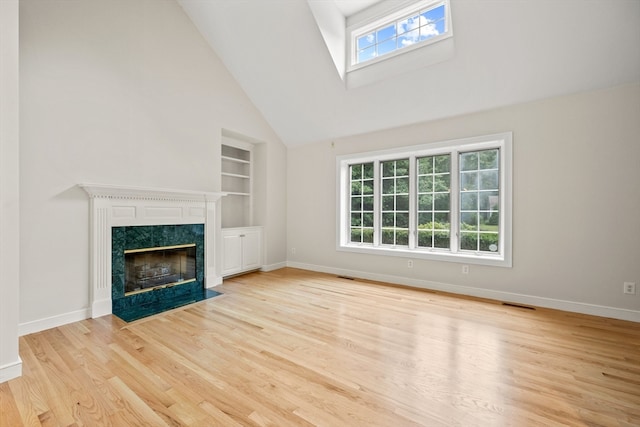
145, 193
118, 206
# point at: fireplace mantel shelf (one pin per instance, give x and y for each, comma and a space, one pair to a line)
147, 193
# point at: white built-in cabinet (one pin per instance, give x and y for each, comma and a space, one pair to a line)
241, 239
241, 250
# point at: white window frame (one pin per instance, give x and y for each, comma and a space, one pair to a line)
502, 258
356, 30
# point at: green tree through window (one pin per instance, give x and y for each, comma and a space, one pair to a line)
361, 203
449, 201
395, 202
434, 208
479, 200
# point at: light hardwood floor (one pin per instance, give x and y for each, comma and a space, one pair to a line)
296, 348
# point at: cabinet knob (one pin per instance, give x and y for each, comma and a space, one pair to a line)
242, 235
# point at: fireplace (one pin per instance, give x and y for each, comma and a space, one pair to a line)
147, 269
156, 267
168, 237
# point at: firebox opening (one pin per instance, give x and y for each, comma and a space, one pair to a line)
151, 268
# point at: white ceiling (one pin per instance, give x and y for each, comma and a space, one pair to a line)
506, 52
349, 7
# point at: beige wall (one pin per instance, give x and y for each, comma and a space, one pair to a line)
10, 364
110, 90
118, 92
576, 230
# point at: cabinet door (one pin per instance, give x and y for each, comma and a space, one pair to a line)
231, 253
252, 250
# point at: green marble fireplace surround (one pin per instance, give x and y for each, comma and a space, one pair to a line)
141, 304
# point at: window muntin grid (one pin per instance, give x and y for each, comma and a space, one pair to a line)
394, 202
361, 198
478, 204
434, 204
474, 179
479, 201
393, 34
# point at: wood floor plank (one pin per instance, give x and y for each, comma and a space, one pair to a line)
9, 413
297, 348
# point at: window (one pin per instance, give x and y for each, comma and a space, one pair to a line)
395, 202
434, 209
448, 201
479, 200
361, 203
421, 23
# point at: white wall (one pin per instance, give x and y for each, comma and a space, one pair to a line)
10, 364
116, 92
576, 203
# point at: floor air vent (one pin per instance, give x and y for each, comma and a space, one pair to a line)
509, 304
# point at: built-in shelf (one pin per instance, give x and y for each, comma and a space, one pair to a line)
235, 175
241, 237
237, 182
233, 159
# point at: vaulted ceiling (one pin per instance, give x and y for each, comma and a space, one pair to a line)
505, 52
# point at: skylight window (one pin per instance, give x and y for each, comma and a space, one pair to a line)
420, 24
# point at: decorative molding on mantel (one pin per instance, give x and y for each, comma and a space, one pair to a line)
118, 206
147, 193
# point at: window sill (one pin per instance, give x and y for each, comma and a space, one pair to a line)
403, 62
432, 255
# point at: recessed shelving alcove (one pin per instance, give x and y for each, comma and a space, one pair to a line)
241, 234
237, 183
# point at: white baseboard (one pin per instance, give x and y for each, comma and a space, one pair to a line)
571, 306
272, 267
11, 370
52, 322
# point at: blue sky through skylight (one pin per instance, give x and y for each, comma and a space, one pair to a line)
407, 31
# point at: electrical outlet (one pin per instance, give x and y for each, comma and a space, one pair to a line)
629, 288
293, 251
410, 263
465, 269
